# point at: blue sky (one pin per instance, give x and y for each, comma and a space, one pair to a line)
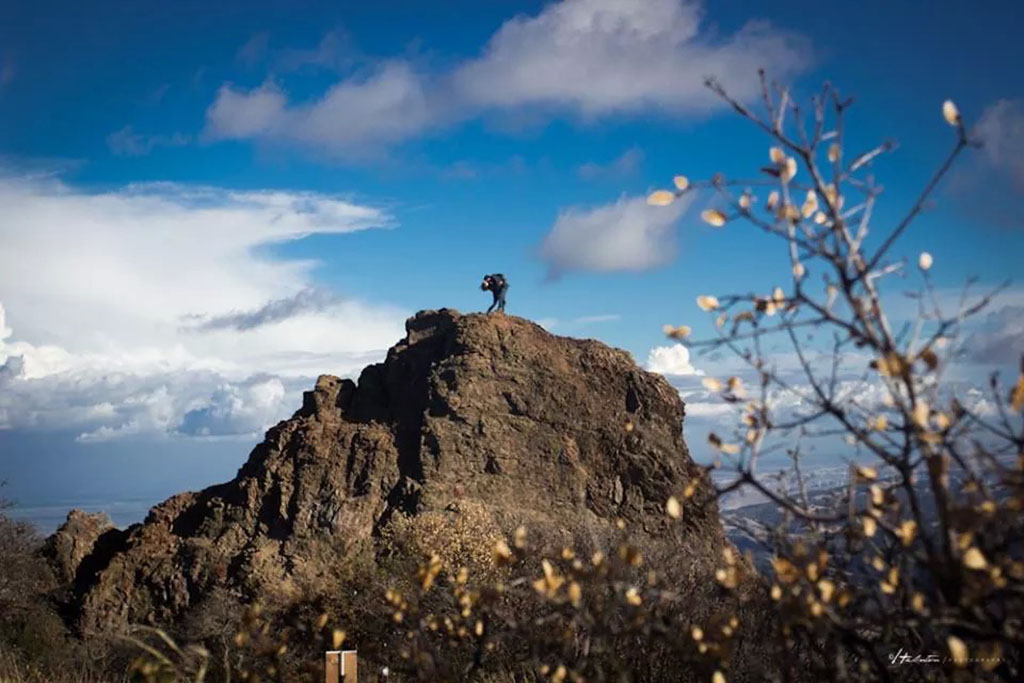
166, 166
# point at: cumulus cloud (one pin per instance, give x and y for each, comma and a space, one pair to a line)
1001, 130
605, 56
626, 235
387, 105
671, 360
238, 408
95, 288
582, 57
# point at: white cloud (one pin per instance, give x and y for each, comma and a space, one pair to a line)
709, 409
603, 56
237, 408
386, 106
97, 286
671, 360
1001, 129
626, 235
582, 57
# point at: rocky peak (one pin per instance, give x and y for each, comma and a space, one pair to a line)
565, 434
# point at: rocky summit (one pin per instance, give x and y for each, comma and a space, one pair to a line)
489, 414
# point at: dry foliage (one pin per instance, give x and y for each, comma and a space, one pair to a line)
922, 554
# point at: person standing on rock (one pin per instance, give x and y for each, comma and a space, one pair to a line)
498, 285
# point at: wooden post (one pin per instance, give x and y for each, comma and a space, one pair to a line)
340, 666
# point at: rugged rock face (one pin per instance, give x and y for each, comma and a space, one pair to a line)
75, 541
489, 411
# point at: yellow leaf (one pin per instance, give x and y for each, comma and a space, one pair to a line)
891, 364
950, 113
973, 559
877, 494
711, 384
789, 212
575, 593
502, 551
827, 589
810, 204
921, 412
680, 332
730, 448
745, 201
868, 473
673, 509
832, 195
337, 638
777, 155
718, 677
870, 526
924, 261
833, 152
798, 270
681, 182
957, 650
907, 531
714, 217
707, 303
661, 198
785, 570
773, 199
788, 171
1017, 395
